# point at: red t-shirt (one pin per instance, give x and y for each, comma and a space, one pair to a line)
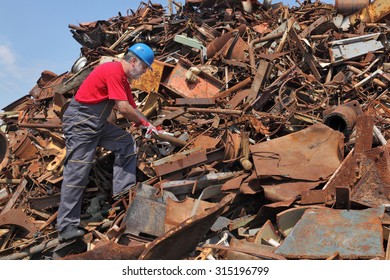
106, 81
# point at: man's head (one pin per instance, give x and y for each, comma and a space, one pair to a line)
139, 57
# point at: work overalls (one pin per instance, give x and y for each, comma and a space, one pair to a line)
85, 127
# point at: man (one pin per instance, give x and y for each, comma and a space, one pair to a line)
85, 127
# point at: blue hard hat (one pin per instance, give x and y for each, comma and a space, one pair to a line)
143, 52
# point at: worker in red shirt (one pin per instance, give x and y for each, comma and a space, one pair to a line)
85, 127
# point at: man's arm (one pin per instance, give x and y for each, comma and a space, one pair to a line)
130, 113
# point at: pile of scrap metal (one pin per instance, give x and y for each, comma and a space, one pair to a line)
276, 118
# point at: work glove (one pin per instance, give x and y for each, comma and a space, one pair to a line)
150, 129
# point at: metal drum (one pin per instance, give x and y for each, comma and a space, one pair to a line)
348, 7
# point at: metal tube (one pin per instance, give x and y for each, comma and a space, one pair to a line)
10, 181
39, 125
32, 251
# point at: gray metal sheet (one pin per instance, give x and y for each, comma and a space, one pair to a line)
320, 233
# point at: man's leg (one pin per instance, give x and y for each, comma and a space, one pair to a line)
76, 170
121, 142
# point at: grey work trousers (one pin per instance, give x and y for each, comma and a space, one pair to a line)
85, 127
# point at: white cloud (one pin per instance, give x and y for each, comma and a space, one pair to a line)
8, 64
13, 77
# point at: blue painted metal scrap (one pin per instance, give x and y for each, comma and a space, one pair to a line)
354, 234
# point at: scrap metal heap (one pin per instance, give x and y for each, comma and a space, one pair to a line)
276, 125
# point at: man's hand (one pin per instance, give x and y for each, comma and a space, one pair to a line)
150, 129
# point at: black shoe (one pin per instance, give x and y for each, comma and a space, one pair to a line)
70, 232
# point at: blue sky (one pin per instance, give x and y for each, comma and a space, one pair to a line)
34, 36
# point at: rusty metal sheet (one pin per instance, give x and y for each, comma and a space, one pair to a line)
308, 57
364, 130
317, 147
146, 213
179, 211
182, 240
17, 217
150, 81
355, 234
234, 183
260, 75
367, 174
145, 216
286, 220
44, 202
179, 161
279, 190
372, 185
206, 142
206, 86
196, 184
313, 197
109, 251
236, 49
267, 232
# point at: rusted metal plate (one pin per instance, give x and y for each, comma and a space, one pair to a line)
146, 213
313, 197
206, 142
267, 232
39, 203
364, 131
179, 161
145, 216
371, 186
182, 240
368, 176
109, 251
286, 220
150, 81
280, 190
179, 211
18, 218
316, 148
206, 86
355, 234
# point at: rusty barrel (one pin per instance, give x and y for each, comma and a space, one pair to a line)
348, 7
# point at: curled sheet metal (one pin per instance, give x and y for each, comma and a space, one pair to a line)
17, 217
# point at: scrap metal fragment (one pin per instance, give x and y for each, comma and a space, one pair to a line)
109, 251
179, 211
206, 86
18, 218
355, 234
152, 208
308, 58
179, 161
196, 184
345, 49
180, 241
313, 197
307, 150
